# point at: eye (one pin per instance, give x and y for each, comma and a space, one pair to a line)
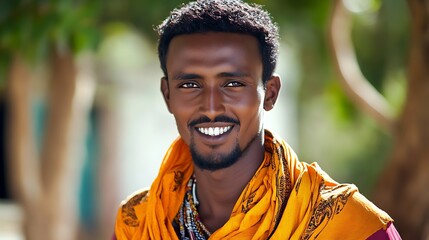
234, 84
188, 85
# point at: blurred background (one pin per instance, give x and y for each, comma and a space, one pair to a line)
83, 123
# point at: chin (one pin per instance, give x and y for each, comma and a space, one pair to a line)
213, 162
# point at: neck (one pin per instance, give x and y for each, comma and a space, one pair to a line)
219, 190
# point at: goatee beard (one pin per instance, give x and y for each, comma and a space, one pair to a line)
215, 161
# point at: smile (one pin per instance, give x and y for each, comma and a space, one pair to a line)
214, 131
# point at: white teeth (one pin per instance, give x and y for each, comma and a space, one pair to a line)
214, 131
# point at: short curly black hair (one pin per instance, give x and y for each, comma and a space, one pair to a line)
232, 16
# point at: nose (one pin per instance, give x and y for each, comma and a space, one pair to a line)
212, 102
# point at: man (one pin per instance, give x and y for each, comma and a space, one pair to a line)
226, 177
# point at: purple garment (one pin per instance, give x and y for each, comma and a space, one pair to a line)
389, 234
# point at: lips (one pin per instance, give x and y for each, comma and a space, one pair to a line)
214, 131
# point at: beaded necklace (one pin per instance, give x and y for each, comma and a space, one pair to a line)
188, 219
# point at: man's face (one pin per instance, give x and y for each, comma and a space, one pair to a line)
215, 92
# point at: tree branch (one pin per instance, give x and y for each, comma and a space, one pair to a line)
356, 86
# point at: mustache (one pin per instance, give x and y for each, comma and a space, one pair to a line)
220, 118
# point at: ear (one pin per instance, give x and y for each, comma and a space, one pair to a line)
272, 89
165, 92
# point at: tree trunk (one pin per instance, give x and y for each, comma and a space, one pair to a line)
403, 188
107, 174
47, 187
23, 159
59, 176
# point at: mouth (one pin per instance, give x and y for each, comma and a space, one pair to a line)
214, 131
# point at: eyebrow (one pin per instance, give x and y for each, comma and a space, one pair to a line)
186, 76
189, 76
233, 74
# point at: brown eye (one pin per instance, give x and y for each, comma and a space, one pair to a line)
234, 84
188, 85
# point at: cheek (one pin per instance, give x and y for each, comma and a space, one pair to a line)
251, 112
182, 128
182, 114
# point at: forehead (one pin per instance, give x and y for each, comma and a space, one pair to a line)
213, 48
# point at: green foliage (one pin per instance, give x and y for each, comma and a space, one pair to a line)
4, 61
365, 166
381, 39
312, 13
144, 14
342, 107
31, 28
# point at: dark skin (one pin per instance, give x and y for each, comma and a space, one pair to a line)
211, 75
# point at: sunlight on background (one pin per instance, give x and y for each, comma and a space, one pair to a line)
362, 5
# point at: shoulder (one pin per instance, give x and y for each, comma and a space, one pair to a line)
130, 214
363, 218
128, 209
368, 208
340, 205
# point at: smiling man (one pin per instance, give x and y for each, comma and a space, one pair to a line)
227, 177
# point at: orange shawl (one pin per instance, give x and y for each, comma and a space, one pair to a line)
285, 199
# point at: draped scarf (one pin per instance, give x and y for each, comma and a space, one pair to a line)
285, 199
